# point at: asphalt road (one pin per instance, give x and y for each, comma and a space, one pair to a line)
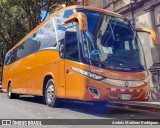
27, 107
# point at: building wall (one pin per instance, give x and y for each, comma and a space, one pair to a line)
120, 3
92, 3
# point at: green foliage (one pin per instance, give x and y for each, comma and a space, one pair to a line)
12, 26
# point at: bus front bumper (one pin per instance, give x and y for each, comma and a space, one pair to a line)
118, 94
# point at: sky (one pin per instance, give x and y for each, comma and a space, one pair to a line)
43, 13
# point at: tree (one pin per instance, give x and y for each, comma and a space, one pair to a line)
34, 8
12, 26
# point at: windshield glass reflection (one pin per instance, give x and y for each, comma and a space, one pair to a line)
113, 42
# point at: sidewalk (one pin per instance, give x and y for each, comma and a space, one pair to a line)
151, 106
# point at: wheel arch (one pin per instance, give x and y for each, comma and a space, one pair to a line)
47, 77
9, 81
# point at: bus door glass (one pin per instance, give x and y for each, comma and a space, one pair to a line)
72, 59
67, 37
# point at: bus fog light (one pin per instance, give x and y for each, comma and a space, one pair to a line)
93, 91
147, 93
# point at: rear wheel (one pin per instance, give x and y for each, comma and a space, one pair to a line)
9, 92
50, 95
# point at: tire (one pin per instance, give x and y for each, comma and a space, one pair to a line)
9, 92
50, 95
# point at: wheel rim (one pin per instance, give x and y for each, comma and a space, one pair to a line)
50, 93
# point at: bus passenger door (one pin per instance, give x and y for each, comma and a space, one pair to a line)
73, 85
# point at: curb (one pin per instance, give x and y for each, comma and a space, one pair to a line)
142, 106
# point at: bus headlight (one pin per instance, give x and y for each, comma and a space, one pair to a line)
88, 74
146, 80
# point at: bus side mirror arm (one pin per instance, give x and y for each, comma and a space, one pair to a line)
81, 18
151, 32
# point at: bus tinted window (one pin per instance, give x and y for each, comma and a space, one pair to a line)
72, 52
45, 37
61, 28
14, 55
31, 46
7, 58
20, 51
62, 16
27, 48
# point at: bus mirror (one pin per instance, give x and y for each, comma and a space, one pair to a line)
81, 18
151, 32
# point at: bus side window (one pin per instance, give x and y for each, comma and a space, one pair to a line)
14, 55
33, 46
44, 37
71, 42
59, 27
7, 58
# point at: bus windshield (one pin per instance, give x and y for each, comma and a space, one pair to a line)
113, 42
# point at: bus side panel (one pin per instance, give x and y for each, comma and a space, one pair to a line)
12, 73
27, 75
5, 79
41, 64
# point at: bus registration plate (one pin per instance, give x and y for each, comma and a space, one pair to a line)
125, 96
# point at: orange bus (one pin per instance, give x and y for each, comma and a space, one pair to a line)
81, 53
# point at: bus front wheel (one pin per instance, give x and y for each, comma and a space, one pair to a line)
49, 94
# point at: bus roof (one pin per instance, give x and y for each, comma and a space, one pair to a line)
61, 10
